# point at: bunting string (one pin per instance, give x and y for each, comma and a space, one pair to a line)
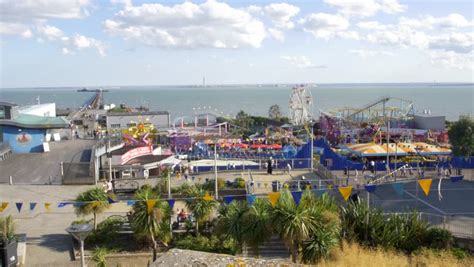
273, 197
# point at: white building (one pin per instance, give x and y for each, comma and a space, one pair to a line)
42, 110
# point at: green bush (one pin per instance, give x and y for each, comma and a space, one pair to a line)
404, 232
209, 185
438, 238
106, 232
214, 244
99, 256
459, 253
239, 183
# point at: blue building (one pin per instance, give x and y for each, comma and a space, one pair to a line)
25, 133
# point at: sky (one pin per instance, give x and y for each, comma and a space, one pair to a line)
55, 43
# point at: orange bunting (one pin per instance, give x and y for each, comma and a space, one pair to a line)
425, 185
3, 206
273, 197
150, 204
345, 192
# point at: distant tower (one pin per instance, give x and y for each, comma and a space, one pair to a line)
204, 81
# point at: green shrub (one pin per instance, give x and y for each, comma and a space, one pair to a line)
405, 232
438, 238
239, 183
459, 253
106, 232
209, 185
214, 244
98, 256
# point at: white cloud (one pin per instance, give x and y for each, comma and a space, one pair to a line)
459, 42
27, 10
15, 29
348, 35
449, 22
322, 25
253, 9
188, 25
66, 51
370, 53
121, 2
300, 62
281, 14
82, 42
50, 32
371, 25
277, 34
366, 8
452, 60
30, 17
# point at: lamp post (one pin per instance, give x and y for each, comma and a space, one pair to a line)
80, 232
215, 169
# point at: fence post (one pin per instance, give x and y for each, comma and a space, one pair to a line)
50, 180
299, 186
11, 180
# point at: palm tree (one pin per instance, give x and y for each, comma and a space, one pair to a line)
230, 221
294, 223
93, 201
150, 224
258, 224
196, 203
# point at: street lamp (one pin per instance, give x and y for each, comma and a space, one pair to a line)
80, 232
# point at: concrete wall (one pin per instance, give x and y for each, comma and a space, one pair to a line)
23, 140
43, 110
159, 121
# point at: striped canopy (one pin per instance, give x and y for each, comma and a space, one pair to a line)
400, 149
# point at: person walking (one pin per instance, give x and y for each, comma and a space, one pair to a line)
270, 166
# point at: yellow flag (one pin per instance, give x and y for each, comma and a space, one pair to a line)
330, 186
425, 185
47, 205
3, 206
345, 192
273, 196
95, 203
150, 204
308, 186
207, 197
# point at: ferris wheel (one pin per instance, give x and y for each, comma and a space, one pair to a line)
300, 106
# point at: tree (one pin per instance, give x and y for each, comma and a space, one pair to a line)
230, 221
294, 223
461, 136
274, 112
92, 201
244, 120
258, 224
196, 203
152, 224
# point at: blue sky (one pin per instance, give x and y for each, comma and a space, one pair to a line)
122, 42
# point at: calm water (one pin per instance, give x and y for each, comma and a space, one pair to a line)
451, 100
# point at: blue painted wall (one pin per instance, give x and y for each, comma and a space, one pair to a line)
23, 140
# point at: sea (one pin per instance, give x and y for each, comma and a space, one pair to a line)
448, 99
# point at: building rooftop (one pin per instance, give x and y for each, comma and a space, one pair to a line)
24, 109
32, 121
138, 113
7, 104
